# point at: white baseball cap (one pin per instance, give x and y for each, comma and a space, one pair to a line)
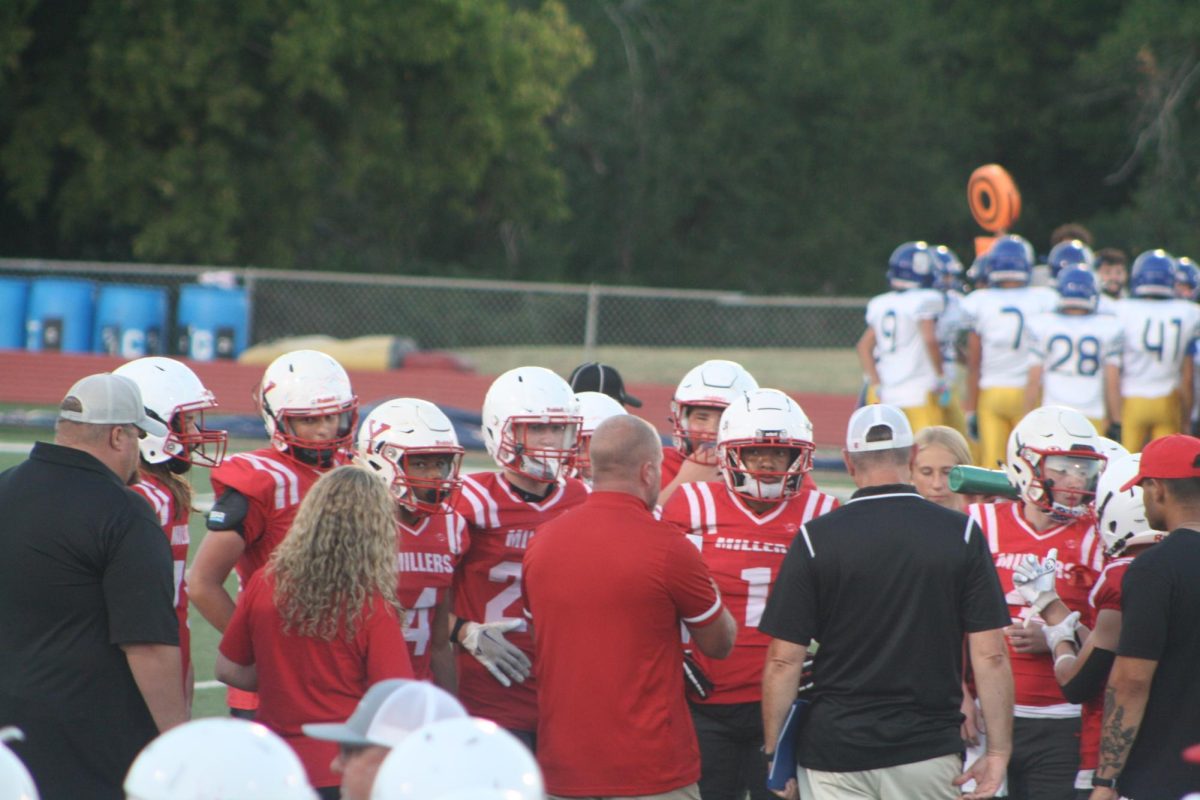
107, 399
388, 713
868, 417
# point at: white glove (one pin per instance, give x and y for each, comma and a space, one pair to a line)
1062, 632
502, 658
1034, 579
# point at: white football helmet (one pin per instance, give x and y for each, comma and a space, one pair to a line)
412, 445
307, 383
15, 781
1112, 449
1055, 445
764, 419
594, 408
531, 423
170, 389
713, 384
1121, 515
232, 759
459, 758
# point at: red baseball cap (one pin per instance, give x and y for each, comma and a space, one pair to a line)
1174, 456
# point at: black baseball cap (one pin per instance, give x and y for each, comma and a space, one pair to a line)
596, 377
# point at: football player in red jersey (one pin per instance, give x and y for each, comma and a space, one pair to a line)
1054, 458
743, 526
412, 445
531, 429
310, 413
705, 391
1082, 670
174, 395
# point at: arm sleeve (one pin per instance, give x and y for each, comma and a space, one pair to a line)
237, 644
229, 513
387, 655
689, 583
982, 602
791, 612
1145, 609
139, 578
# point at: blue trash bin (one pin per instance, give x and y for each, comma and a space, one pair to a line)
131, 321
212, 322
14, 300
59, 317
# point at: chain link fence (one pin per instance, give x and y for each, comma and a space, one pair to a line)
449, 314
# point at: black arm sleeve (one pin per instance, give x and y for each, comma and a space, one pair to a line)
229, 512
1089, 681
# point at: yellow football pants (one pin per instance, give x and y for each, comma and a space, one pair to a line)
924, 416
1000, 409
1146, 418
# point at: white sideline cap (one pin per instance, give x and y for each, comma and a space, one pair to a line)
868, 417
108, 399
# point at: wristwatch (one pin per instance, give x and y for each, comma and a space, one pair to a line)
1104, 783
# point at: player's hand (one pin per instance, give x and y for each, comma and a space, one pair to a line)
1026, 638
1033, 579
973, 425
1103, 793
1113, 431
1062, 632
502, 658
988, 772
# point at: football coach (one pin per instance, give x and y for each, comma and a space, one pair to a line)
888, 586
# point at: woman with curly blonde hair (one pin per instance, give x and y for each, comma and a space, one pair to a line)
319, 624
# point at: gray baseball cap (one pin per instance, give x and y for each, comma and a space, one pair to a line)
388, 713
107, 399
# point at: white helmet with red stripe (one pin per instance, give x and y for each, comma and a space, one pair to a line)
712, 385
1054, 458
1121, 514
594, 408
307, 383
531, 423
174, 395
411, 444
764, 445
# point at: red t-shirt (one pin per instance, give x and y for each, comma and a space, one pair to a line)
607, 586
1080, 557
305, 679
743, 551
1106, 594
487, 586
428, 554
174, 521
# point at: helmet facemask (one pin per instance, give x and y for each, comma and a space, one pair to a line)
1061, 482
189, 441
746, 476
424, 480
698, 445
315, 452
542, 448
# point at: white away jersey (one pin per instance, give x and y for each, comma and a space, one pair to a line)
1000, 318
1072, 350
1158, 335
906, 374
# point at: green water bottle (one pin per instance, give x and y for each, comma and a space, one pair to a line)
977, 480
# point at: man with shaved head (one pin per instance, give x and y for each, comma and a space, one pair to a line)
605, 588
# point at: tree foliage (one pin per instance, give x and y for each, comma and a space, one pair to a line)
764, 145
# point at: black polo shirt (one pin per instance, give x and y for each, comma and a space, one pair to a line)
84, 568
1160, 621
888, 584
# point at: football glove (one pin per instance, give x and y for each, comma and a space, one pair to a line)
1062, 632
1113, 431
1033, 579
502, 658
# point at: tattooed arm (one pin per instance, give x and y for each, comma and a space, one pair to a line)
1124, 705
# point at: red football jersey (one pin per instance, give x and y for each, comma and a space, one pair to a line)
488, 586
428, 554
742, 551
1080, 557
1106, 594
672, 461
305, 679
174, 521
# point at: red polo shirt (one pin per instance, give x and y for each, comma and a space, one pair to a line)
606, 586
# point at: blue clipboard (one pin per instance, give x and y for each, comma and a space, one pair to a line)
783, 767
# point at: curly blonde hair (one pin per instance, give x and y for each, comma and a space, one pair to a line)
339, 552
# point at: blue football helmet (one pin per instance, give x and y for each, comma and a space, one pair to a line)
1153, 274
1073, 253
1187, 279
947, 269
1077, 288
911, 266
1010, 259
